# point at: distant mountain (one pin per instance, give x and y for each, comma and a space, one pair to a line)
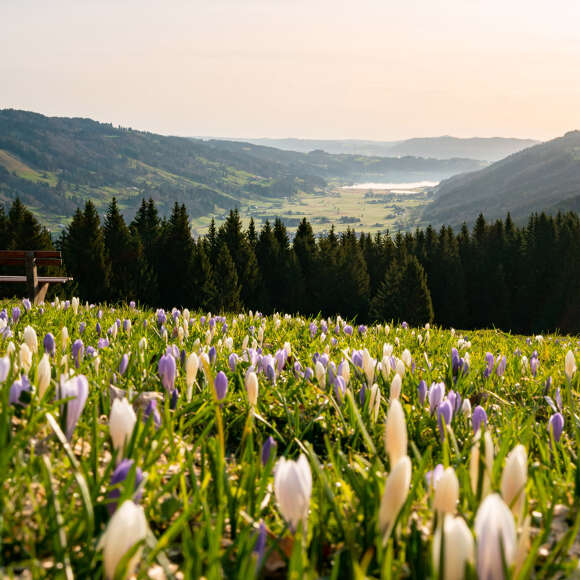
54, 164
542, 178
484, 149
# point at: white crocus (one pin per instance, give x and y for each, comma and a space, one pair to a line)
386, 367
458, 548
252, 388
25, 357
395, 433
30, 338
320, 373
293, 488
375, 402
569, 365
400, 368
396, 385
407, 358
387, 350
496, 535
191, 368
43, 375
368, 364
64, 338
446, 492
75, 304
466, 408
126, 528
514, 478
394, 496
488, 463
121, 424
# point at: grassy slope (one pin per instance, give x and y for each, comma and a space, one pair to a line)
206, 490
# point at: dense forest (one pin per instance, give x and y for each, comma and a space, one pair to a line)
524, 279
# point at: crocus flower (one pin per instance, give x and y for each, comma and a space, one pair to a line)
394, 496
501, 365
25, 355
221, 385
534, 364
514, 478
293, 488
308, 373
30, 339
78, 349
27, 305
268, 448
396, 384
20, 392
435, 395
556, 426
478, 417
121, 423
152, 409
313, 329
49, 344
161, 317
490, 362
232, 361
339, 388
395, 433
422, 390
117, 479
98, 328
432, 477
444, 416
77, 387
123, 364
167, 370
347, 330
446, 492
260, 545
126, 528
558, 399
15, 314
496, 537
474, 465
43, 375
569, 365
458, 548
251, 383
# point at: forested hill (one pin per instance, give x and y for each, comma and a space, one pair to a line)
54, 164
545, 177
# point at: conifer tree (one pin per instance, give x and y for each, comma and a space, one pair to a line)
26, 232
226, 281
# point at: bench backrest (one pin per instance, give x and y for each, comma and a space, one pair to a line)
40, 257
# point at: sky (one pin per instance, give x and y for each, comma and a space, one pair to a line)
367, 69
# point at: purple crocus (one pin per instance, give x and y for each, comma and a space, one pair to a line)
77, 387
404, 325
167, 370
313, 329
212, 353
490, 362
27, 305
152, 410
436, 394
233, 361
161, 317
357, 358
298, 372
324, 326
422, 392
556, 426
20, 392
132, 305
118, 478
49, 344
125, 324
82, 327
102, 343
534, 365
362, 329
455, 400
501, 365
123, 364
260, 545
347, 329
15, 314
308, 373
478, 416
268, 448
339, 388
433, 476
78, 350
444, 414
221, 385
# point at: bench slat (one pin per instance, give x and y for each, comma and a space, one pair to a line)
38, 262
20, 255
50, 279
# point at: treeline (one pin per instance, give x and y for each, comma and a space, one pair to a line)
524, 279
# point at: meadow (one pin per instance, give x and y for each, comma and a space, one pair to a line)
185, 444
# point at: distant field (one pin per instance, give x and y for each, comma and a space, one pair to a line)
369, 210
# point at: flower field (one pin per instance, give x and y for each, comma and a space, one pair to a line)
177, 444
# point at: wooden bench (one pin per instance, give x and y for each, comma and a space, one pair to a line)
37, 285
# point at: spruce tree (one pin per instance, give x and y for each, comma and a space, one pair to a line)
226, 281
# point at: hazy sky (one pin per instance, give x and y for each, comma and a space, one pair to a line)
376, 69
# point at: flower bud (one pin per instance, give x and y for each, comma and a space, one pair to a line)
25, 357
30, 339
252, 388
121, 424
446, 492
395, 433
569, 365
293, 488
458, 548
514, 478
395, 387
394, 496
43, 375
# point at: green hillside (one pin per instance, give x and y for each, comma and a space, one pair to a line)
54, 164
542, 178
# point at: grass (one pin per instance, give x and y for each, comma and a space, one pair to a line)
206, 490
